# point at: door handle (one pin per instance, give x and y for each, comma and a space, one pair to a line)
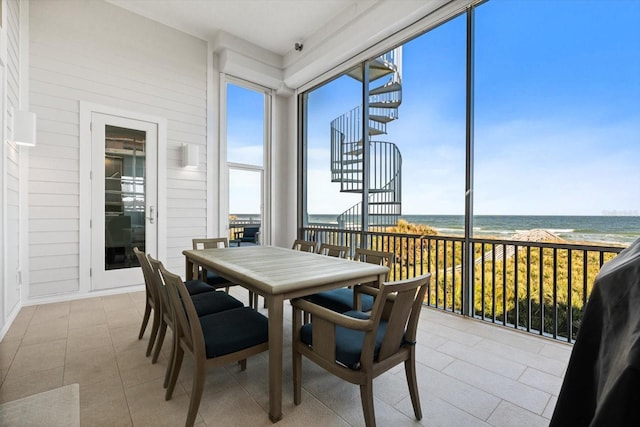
151, 216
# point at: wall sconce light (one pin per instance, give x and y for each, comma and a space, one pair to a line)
190, 155
24, 128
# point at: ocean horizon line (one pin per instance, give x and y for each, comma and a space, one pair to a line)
636, 213
600, 229
613, 229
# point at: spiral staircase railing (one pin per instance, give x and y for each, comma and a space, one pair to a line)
385, 160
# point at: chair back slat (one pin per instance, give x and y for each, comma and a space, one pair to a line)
147, 273
304, 245
404, 295
208, 243
160, 286
412, 326
375, 257
337, 251
185, 318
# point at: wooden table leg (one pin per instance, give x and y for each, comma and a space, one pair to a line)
188, 269
275, 304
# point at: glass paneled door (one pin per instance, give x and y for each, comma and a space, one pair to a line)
124, 194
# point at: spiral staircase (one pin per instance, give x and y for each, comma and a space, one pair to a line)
385, 161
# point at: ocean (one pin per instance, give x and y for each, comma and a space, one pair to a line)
596, 229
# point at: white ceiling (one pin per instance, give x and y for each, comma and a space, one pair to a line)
275, 25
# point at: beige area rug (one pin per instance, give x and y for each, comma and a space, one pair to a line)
53, 408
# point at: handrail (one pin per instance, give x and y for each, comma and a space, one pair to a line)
537, 287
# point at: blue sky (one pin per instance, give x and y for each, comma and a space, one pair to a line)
245, 132
557, 113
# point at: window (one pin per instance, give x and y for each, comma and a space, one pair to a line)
557, 118
415, 150
247, 116
330, 109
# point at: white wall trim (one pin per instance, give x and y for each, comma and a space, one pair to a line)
24, 153
213, 139
245, 67
223, 175
267, 198
49, 299
8, 320
86, 109
5, 320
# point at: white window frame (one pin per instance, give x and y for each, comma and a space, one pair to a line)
265, 169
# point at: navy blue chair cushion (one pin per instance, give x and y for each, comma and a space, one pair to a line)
195, 287
214, 302
340, 300
348, 342
233, 330
214, 279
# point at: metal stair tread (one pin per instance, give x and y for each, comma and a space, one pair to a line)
393, 87
356, 152
377, 69
351, 161
392, 105
381, 119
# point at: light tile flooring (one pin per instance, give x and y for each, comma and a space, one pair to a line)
469, 373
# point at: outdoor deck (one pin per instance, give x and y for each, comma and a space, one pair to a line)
470, 373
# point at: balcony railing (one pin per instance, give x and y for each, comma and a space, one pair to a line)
541, 288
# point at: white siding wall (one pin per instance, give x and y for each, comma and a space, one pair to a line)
13, 152
96, 52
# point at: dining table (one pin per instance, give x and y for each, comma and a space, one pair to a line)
279, 274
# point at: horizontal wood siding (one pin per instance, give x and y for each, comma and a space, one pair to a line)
99, 53
12, 177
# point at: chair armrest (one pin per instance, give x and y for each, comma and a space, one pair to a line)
366, 289
331, 316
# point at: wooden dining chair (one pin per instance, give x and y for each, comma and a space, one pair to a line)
213, 340
212, 278
338, 251
205, 303
304, 245
345, 299
152, 301
359, 347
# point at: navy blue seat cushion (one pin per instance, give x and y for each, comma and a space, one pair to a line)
340, 300
214, 302
348, 342
233, 330
214, 279
195, 287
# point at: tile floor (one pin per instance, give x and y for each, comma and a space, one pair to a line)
469, 373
